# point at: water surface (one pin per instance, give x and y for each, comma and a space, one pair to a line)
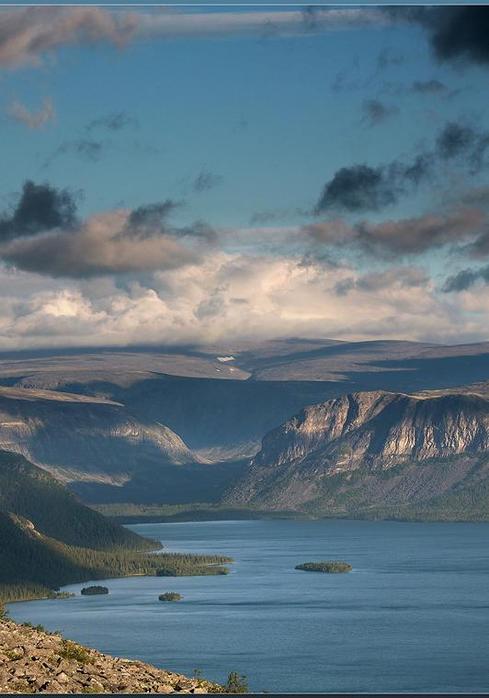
412, 616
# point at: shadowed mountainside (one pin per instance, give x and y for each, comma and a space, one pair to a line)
32, 493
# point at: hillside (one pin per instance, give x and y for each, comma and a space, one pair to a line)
374, 450
34, 494
48, 539
34, 661
80, 437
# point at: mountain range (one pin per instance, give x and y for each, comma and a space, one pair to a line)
324, 427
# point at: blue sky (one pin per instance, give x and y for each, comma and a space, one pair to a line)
244, 129
245, 109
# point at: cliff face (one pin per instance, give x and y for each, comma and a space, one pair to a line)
380, 428
80, 438
33, 661
360, 438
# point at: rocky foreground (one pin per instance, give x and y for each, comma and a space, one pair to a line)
34, 661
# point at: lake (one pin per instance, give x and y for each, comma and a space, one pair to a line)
412, 616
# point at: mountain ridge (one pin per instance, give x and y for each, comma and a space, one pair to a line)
352, 452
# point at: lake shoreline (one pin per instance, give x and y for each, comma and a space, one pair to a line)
317, 632
182, 515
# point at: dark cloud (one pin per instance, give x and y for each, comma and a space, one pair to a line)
414, 236
358, 188
83, 148
205, 181
465, 279
461, 33
42, 234
364, 188
199, 230
151, 216
457, 140
428, 87
40, 208
361, 187
113, 122
480, 246
457, 34
408, 236
152, 219
376, 112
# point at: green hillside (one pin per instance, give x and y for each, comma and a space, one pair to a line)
48, 539
31, 492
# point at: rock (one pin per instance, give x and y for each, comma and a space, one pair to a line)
30, 662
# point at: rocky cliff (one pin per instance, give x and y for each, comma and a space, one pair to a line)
34, 661
370, 448
84, 438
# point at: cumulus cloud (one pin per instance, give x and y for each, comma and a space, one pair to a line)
99, 246
240, 296
42, 234
32, 119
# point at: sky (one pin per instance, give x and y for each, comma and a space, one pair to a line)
200, 175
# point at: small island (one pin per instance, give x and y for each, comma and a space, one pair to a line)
326, 566
92, 591
170, 596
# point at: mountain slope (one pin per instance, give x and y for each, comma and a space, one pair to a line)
30, 492
48, 539
79, 437
368, 450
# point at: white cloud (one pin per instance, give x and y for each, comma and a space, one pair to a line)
232, 297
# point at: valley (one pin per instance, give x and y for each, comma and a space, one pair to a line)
282, 428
